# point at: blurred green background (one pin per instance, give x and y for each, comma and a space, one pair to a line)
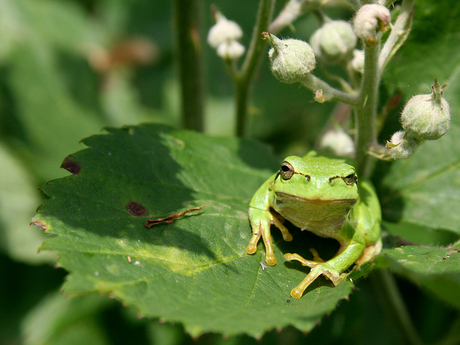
69, 68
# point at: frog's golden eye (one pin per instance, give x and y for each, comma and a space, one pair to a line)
350, 179
286, 171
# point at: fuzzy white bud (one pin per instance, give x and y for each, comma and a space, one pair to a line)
334, 41
427, 117
291, 60
231, 50
338, 142
224, 30
370, 21
402, 145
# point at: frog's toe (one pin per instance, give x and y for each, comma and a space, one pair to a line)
270, 259
297, 257
296, 293
252, 246
287, 237
319, 269
251, 249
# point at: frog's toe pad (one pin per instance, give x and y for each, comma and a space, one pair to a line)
287, 237
251, 248
270, 259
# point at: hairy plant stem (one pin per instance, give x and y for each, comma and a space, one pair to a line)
365, 119
187, 22
244, 78
366, 111
388, 292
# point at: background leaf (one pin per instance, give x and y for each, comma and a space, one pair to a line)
434, 269
18, 198
425, 190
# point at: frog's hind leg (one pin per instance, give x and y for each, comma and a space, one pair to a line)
317, 268
370, 251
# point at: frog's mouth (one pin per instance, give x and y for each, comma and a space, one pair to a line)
281, 195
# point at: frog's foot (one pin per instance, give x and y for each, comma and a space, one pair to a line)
317, 269
370, 251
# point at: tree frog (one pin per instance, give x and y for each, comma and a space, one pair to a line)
321, 195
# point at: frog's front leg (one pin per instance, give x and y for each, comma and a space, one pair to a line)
261, 220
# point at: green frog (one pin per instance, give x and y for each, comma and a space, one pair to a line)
321, 195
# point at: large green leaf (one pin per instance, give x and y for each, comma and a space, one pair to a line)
434, 269
194, 270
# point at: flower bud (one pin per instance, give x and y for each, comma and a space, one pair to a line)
370, 20
224, 30
334, 41
290, 60
338, 142
358, 61
402, 145
231, 50
427, 117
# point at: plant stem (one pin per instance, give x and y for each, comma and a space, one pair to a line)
366, 112
187, 22
386, 288
244, 79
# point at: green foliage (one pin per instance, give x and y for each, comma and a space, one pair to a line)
194, 271
424, 189
435, 269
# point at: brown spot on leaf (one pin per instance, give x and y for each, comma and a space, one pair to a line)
136, 209
40, 224
70, 165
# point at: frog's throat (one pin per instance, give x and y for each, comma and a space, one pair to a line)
322, 217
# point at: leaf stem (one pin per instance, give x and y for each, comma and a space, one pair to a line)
387, 289
187, 22
328, 92
244, 79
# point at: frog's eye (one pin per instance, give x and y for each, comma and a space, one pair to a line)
350, 179
286, 171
